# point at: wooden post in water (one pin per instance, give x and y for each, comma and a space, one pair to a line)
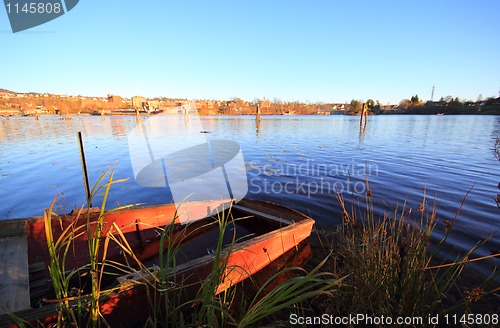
84, 169
257, 118
364, 114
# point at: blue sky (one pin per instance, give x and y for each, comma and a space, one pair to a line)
328, 51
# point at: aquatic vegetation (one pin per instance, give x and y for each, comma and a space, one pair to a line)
497, 155
391, 268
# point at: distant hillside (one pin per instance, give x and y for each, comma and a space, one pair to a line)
6, 91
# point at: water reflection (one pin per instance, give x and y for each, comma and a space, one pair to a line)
117, 127
257, 125
362, 130
3, 133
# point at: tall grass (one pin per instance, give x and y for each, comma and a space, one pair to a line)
67, 295
390, 264
497, 155
211, 308
58, 251
94, 230
166, 289
290, 294
210, 311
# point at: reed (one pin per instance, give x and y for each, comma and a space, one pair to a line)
210, 308
497, 155
390, 265
58, 251
290, 294
166, 288
73, 307
165, 291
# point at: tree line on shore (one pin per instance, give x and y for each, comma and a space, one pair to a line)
235, 106
446, 105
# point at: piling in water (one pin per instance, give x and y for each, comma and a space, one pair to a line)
364, 115
84, 169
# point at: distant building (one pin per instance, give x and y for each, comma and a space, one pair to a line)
114, 99
137, 101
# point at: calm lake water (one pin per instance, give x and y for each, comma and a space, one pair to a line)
299, 161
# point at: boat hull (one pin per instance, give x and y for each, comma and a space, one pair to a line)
270, 230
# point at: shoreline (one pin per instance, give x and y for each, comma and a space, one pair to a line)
8, 114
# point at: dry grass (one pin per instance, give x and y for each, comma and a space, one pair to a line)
391, 267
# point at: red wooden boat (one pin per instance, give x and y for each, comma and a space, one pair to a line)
264, 231
137, 224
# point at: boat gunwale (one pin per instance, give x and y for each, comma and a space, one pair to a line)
130, 287
239, 246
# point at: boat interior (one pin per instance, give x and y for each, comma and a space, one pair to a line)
245, 220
